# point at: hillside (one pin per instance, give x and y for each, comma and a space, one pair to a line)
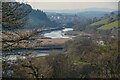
14, 15
110, 25
38, 19
104, 21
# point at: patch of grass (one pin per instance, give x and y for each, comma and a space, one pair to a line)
41, 57
81, 63
103, 21
110, 25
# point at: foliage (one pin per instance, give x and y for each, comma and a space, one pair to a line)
38, 19
86, 60
14, 14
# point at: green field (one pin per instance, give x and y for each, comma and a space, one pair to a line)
110, 25
103, 21
41, 57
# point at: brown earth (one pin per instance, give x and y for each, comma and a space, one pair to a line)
54, 41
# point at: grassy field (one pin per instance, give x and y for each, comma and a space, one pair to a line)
109, 26
103, 21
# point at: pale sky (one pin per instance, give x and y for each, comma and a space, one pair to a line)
72, 5
70, 0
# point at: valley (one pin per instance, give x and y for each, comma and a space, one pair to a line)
66, 43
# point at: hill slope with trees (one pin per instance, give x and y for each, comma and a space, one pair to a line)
38, 19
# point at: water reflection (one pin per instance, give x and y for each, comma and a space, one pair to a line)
58, 33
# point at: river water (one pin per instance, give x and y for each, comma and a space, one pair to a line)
52, 34
58, 33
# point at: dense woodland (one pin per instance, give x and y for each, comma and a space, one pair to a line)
83, 57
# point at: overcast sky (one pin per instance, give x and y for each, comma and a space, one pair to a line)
72, 5
70, 0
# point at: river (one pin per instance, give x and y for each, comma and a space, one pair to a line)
39, 52
58, 33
